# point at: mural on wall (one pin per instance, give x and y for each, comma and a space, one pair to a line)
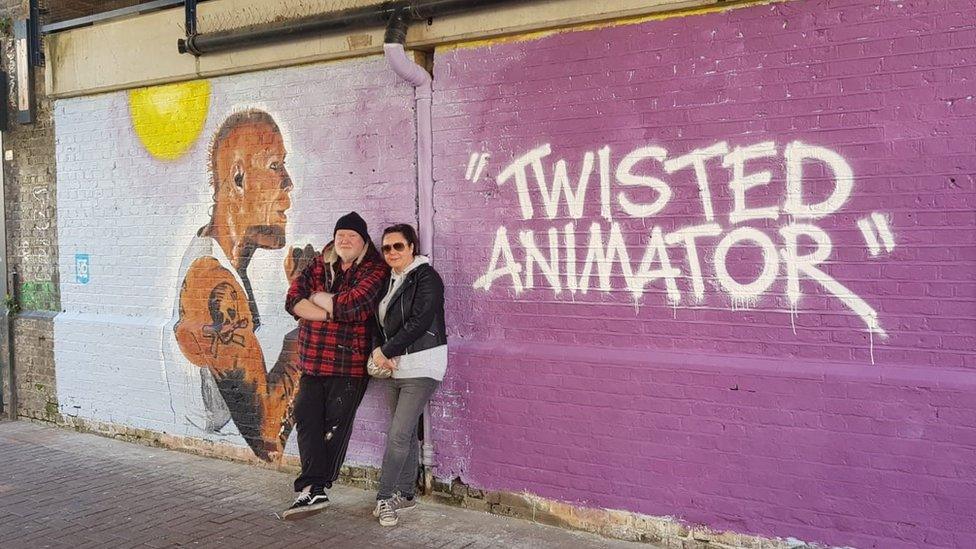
218, 320
792, 246
176, 218
219, 381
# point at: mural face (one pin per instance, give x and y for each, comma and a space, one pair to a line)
250, 182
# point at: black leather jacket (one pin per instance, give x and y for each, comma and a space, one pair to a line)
414, 318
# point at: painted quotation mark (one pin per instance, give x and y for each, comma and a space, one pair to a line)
873, 228
476, 164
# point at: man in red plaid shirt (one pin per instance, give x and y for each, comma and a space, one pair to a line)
334, 300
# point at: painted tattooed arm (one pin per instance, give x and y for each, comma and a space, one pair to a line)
216, 331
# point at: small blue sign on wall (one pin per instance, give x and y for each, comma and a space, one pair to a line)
82, 272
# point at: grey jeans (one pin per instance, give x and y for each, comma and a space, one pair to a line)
401, 459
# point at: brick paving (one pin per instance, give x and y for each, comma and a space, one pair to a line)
60, 488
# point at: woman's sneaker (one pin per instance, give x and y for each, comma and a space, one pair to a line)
307, 503
385, 512
401, 503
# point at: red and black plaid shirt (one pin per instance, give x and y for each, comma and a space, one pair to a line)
338, 346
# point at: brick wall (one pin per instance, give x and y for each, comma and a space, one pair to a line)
815, 378
31, 225
812, 378
134, 186
34, 346
31, 199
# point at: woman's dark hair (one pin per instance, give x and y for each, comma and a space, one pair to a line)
408, 232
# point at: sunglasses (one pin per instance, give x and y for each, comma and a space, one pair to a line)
398, 246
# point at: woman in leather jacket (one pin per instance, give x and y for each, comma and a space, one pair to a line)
410, 340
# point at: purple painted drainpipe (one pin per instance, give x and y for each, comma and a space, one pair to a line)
418, 77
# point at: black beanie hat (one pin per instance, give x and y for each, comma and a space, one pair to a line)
352, 222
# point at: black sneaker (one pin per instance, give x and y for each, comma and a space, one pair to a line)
307, 504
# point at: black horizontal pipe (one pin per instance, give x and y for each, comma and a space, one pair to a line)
345, 20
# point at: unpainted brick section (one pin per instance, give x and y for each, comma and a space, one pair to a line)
30, 203
37, 396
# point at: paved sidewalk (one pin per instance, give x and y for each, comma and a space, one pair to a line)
59, 488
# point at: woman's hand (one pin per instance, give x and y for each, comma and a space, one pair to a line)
380, 360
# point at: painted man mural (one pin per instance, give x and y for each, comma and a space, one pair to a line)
226, 388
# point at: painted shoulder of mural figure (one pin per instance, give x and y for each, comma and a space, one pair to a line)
218, 316
214, 316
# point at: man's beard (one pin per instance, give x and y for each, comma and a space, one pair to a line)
348, 256
266, 236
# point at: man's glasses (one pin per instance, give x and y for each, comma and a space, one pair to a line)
398, 246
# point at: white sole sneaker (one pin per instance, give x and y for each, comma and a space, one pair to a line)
386, 515
302, 512
389, 521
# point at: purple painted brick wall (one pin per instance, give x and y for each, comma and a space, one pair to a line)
821, 389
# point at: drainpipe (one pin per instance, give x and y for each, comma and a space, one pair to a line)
190, 13
8, 407
419, 78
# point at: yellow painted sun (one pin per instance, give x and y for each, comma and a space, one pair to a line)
168, 119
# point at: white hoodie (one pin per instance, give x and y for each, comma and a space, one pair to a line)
431, 362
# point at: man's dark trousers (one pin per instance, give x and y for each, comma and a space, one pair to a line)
325, 409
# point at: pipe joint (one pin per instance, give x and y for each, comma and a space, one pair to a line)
189, 45
405, 68
396, 28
